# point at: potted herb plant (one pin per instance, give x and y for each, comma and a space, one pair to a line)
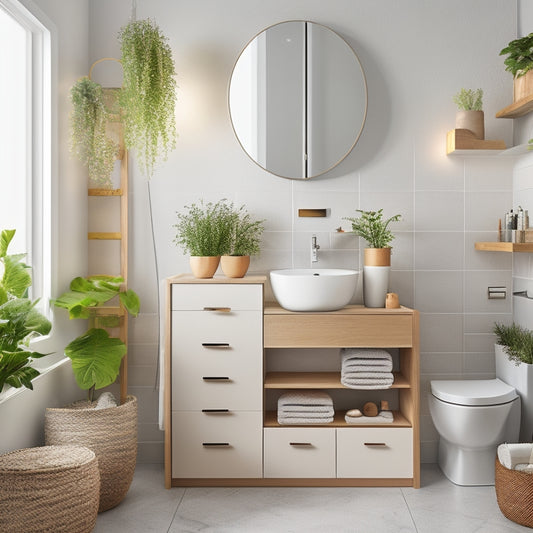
514, 365
245, 240
89, 139
20, 321
519, 62
372, 227
148, 93
204, 231
110, 430
470, 111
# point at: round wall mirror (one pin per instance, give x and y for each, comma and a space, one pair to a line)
297, 99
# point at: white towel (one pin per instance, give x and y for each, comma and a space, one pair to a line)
367, 375
513, 454
366, 359
367, 384
384, 417
305, 397
306, 408
303, 420
526, 468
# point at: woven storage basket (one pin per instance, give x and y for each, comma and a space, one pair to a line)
51, 488
112, 435
514, 492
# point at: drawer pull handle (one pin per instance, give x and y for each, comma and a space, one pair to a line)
215, 344
215, 410
215, 378
207, 444
218, 309
300, 443
375, 444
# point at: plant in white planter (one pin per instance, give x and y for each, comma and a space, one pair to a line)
470, 114
514, 365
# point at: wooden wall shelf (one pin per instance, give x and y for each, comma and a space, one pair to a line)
517, 109
461, 141
504, 247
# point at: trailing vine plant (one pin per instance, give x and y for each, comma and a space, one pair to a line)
148, 93
88, 131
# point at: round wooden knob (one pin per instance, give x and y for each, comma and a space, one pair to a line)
370, 409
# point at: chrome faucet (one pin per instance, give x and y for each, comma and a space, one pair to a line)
314, 249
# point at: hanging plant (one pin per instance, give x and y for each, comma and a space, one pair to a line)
148, 93
88, 131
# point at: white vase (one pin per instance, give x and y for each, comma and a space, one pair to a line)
375, 285
521, 378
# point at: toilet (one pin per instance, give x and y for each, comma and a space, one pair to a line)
472, 417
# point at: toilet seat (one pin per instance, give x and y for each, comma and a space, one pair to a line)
473, 392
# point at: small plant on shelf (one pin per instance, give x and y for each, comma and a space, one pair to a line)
519, 58
469, 99
517, 342
373, 228
245, 233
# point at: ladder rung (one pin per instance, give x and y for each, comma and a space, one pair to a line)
105, 236
105, 192
107, 311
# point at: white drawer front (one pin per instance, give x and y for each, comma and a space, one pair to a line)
196, 297
206, 346
299, 452
375, 452
216, 445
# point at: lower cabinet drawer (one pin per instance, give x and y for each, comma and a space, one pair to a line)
217, 444
299, 452
375, 452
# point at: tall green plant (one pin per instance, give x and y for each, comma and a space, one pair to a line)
95, 355
148, 93
19, 320
371, 226
89, 140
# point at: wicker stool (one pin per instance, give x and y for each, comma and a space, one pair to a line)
514, 492
51, 488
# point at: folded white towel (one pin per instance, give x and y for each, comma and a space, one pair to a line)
367, 365
303, 420
384, 417
512, 454
367, 384
367, 375
306, 408
366, 359
372, 353
305, 397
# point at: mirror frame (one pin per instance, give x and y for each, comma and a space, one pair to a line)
365, 86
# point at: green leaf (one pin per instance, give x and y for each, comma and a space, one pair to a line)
17, 276
95, 358
14, 370
5, 238
130, 300
23, 377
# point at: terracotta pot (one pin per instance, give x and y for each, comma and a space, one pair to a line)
376, 273
235, 266
204, 266
523, 86
473, 121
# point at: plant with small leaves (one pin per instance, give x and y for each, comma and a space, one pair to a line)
517, 342
20, 322
469, 99
148, 93
89, 140
371, 226
519, 56
245, 233
96, 356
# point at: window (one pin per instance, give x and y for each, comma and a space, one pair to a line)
25, 140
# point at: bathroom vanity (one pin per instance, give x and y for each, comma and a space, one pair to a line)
223, 376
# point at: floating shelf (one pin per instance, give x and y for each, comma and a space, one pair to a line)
317, 380
517, 109
504, 246
104, 236
105, 192
461, 142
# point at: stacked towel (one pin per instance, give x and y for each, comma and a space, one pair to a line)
305, 407
516, 456
366, 368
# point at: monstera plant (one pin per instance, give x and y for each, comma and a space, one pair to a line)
20, 322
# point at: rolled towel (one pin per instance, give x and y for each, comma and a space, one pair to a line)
526, 468
513, 454
307, 397
384, 417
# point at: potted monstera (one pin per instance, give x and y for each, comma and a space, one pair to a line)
110, 430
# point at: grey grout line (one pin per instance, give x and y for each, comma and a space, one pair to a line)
176, 510
409, 509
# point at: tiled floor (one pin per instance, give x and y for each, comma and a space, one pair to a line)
439, 506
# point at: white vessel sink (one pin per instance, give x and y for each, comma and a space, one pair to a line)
313, 289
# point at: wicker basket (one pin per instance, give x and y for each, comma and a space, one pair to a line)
514, 492
51, 488
112, 435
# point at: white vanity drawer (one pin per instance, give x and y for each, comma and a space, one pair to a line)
197, 297
299, 452
217, 445
207, 346
375, 452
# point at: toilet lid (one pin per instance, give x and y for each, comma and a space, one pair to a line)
473, 391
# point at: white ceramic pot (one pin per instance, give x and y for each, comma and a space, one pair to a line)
521, 378
375, 285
